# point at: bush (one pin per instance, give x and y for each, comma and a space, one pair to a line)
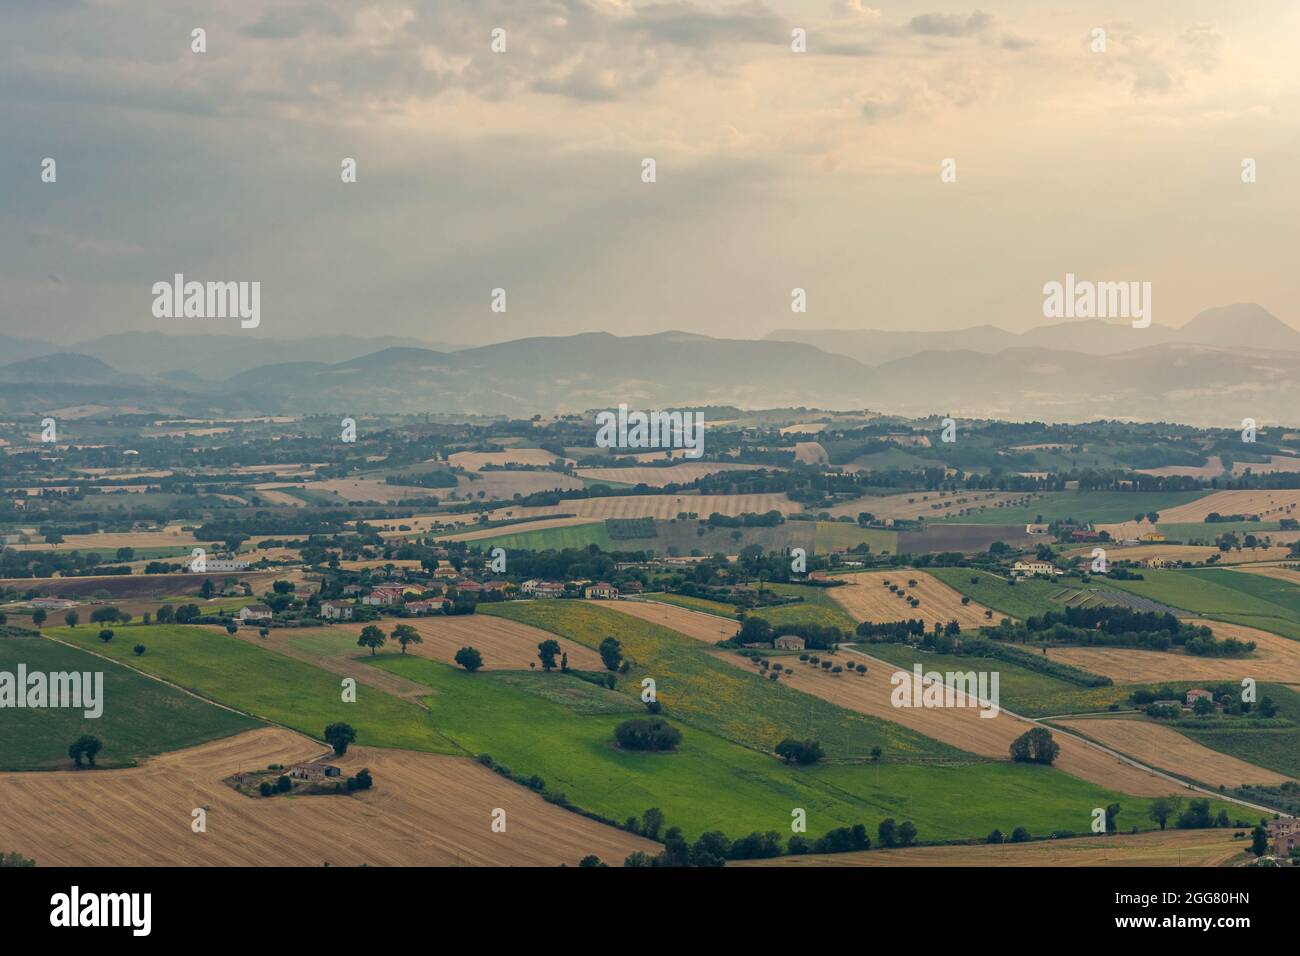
647, 733
139, 650
1020, 835
265, 788
799, 751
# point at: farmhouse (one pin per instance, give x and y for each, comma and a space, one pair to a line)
426, 607
1198, 693
600, 591
212, 565
1027, 568
336, 610
543, 589
1284, 835
384, 596
788, 642
314, 772
255, 612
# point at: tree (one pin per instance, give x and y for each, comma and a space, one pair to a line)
647, 733
711, 849
611, 653
799, 751
906, 833
103, 614
405, 634
564, 662
84, 746
139, 650
1035, 746
546, 652
166, 614
72, 618
1259, 841
590, 861
362, 781
1112, 811
651, 821
469, 658
339, 736
1020, 835
1162, 808
371, 637
283, 784
105, 635
38, 616
205, 591
887, 832
995, 836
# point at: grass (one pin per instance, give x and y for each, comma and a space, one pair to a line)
818, 607
1208, 533
141, 717
695, 603
843, 535
548, 539
261, 682
1221, 594
718, 697
1107, 507
1023, 600
712, 784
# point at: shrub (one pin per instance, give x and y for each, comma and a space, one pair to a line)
647, 733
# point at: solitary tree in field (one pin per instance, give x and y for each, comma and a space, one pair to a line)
611, 653
339, 736
1162, 808
105, 635
1035, 746
405, 634
469, 658
72, 618
38, 616
546, 652
371, 637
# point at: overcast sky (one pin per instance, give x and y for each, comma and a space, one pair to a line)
522, 169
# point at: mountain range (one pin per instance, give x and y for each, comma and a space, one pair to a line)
1224, 365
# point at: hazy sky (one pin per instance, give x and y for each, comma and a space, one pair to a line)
522, 169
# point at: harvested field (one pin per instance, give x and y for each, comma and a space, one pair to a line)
1167, 749
810, 453
498, 485
960, 726
172, 537
656, 506
805, 428
504, 644
1275, 659
269, 495
697, 624
1269, 504
867, 598
681, 473
928, 504
140, 586
1212, 468
1276, 463
424, 810
1167, 848
475, 460
365, 489
1290, 575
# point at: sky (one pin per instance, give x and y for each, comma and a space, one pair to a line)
522, 170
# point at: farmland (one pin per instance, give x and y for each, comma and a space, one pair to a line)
425, 810
263, 683
1021, 600
1160, 849
868, 598
1095, 506
1169, 750
1221, 594
140, 718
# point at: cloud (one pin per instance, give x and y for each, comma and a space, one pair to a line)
950, 24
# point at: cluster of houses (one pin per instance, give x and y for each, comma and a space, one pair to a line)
1029, 569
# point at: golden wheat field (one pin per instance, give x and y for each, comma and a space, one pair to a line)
1269, 504
928, 504
680, 473
655, 506
1275, 658
1167, 749
867, 598
475, 460
696, 624
1157, 848
424, 810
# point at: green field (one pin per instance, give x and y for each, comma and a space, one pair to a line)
1207, 533
551, 539
842, 535
1233, 596
1095, 506
818, 607
694, 603
257, 681
1022, 600
141, 717
713, 784
697, 687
